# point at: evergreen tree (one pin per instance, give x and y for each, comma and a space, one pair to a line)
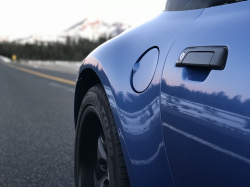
71, 50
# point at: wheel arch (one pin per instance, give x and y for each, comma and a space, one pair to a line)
86, 79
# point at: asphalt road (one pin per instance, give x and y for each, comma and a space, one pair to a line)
36, 128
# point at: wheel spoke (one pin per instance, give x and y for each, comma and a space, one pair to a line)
102, 137
101, 153
101, 170
103, 182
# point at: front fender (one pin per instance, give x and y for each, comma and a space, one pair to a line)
138, 115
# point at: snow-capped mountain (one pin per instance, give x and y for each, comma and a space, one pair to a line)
91, 29
94, 29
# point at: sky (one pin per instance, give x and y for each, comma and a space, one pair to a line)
21, 18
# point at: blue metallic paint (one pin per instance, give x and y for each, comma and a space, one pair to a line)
206, 121
137, 115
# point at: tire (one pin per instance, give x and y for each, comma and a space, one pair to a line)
99, 160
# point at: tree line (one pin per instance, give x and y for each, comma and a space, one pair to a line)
71, 50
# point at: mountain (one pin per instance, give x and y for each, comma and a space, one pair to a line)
91, 29
94, 29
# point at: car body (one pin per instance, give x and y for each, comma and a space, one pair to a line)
185, 125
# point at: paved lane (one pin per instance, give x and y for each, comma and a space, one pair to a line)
36, 129
69, 76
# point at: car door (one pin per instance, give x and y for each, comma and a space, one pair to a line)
205, 99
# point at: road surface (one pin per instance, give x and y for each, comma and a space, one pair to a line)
36, 127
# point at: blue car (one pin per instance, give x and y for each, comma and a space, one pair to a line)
168, 103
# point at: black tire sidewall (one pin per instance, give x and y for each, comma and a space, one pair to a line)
96, 97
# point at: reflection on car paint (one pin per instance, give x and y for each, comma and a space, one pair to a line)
139, 122
221, 118
151, 159
144, 161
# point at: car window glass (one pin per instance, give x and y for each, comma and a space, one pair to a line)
178, 5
